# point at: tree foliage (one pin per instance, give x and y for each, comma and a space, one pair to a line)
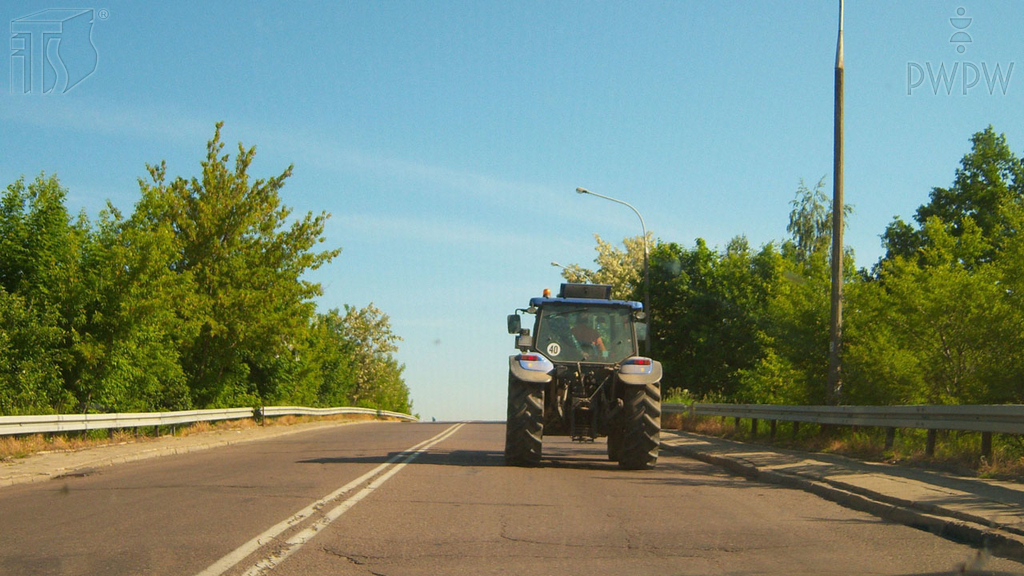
939, 319
197, 299
990, 178
622, 269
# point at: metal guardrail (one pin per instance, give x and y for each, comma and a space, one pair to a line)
1007, 419
271, 411
51, 423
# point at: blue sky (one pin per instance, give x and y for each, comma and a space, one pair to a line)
447, 138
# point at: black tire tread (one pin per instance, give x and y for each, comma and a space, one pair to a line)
642, 437
524, 427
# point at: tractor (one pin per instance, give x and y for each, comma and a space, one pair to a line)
580, 374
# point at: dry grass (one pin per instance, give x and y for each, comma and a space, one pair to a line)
713, 427
22, 446
855, 444
671, 421
1001, 467
706, 426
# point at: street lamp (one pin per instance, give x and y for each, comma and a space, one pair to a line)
557, 265
647, 270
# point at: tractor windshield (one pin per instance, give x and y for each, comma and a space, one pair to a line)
580, 333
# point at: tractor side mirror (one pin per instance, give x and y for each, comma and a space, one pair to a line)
514, 323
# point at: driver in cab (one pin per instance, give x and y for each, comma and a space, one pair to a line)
586, 335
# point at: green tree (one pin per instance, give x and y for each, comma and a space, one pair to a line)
132, 326
246, 257
944, 322
709, 309
798, 325
1009, 386
377, 376
810, 228
40, 262
990, 176
31, 353
810, 221
333, 360
196, 299
621, 268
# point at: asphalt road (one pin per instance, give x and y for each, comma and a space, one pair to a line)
434, 498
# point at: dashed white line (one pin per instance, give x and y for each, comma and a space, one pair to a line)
295, 542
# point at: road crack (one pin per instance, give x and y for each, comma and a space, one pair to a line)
354, 559
504, 536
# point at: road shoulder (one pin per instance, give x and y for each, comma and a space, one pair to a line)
49, 465
984, 513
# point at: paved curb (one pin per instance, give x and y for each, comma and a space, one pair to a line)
189, 444
950, 524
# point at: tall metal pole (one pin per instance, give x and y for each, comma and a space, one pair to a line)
835, 382
647, 292
647, 269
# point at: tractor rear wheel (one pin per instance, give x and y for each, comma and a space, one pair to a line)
640, 442
524, 427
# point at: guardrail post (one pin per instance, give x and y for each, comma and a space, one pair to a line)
929, 447
736, 422
796, 428
771, 430
753, 426
890, 437
986, 445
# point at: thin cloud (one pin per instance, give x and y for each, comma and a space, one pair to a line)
428, 229
333, 156
138, 121
155, 124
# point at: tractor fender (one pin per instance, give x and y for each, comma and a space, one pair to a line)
525, 375
651, 377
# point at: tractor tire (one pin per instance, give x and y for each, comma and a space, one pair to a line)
524, 428
615, 444
642, 436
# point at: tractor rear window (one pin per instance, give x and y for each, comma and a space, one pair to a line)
574, 333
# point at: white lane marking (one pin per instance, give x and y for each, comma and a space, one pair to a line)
297, 541
231, 559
